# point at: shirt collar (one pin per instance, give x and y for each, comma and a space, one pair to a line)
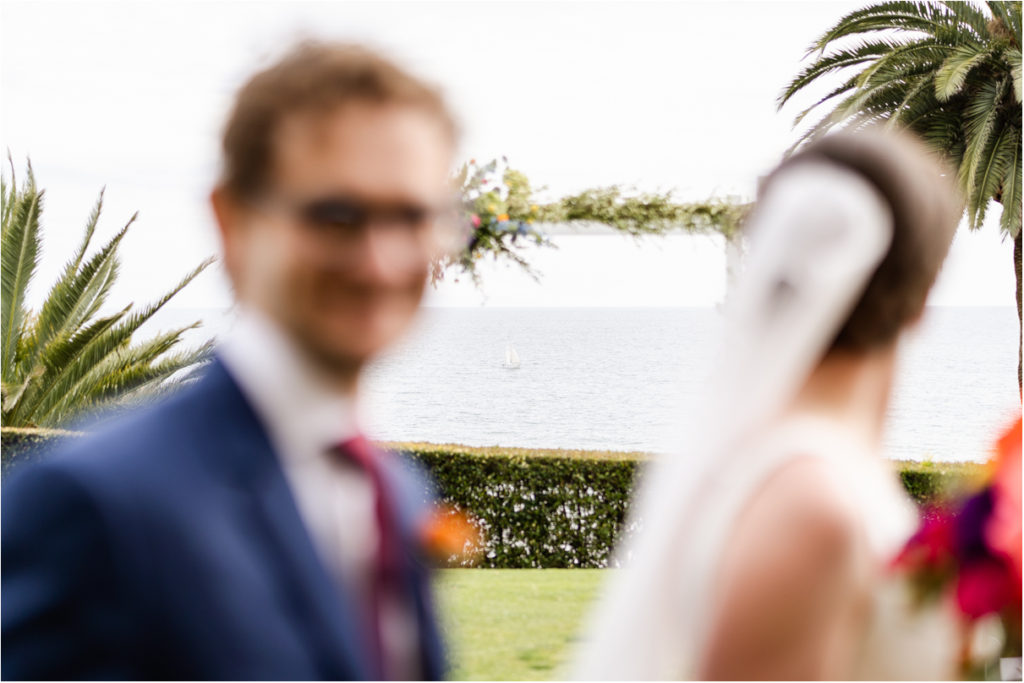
303, 414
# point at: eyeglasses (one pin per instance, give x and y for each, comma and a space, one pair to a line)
348, 216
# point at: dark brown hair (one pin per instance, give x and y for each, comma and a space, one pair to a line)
312, 77
926, 210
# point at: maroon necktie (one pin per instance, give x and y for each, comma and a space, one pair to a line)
386, 582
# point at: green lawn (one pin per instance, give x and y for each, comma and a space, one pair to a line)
513, 624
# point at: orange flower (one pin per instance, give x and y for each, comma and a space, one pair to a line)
1004, 529
450, 536
503, 217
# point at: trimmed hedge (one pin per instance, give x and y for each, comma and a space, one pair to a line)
542, 508
19, 445
534, 509
928, 482
562, 508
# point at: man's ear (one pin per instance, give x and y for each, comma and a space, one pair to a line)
225, 210
227, 213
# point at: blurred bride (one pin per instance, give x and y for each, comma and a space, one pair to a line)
766, 544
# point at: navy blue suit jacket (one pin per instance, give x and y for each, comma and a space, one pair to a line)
168, 545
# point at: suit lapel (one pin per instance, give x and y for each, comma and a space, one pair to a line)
323, 609
332, 626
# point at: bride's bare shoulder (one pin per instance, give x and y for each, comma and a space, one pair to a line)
790, 582
804, 505
798, 537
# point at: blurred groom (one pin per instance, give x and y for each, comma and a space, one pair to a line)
244, 529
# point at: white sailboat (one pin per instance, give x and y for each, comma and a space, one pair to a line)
511, 358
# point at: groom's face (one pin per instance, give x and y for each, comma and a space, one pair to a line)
338, 249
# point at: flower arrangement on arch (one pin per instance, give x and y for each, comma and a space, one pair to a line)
500, 217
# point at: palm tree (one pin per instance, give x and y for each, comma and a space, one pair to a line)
67, 356
948, 71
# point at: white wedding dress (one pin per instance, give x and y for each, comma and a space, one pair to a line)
899, 640
819, 234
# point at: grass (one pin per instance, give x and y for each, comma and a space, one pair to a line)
513, 624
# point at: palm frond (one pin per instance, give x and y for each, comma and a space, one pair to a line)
117, 374
887, 94
939, 127
916, 101
907, 60
171, 373
132, 322
968, 15
846, 87
878, 101
76, 374
1010, 222
981, 114
1013, 59
916, 17
77, 294
70, 377
65, 359
143, 379
8, 197
19, 256
841, 59
951, 76
56, 363
64, 350
993, 164
90, 229
821, 127
11, 395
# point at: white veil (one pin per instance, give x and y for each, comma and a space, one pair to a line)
816, 237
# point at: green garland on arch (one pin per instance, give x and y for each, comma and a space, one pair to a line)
502, 216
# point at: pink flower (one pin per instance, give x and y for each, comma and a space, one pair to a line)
973, 549
984, 587
932, 547
475, 220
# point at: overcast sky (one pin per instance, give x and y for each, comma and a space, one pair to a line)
132, 95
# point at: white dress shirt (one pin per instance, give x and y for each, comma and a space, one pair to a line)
305, 418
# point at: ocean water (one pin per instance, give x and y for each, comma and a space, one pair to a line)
624, 379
